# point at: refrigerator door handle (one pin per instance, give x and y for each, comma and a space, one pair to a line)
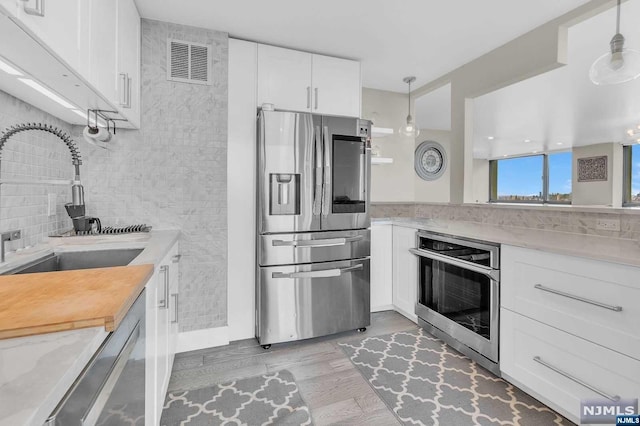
327, 273
325, 242
326, 188
317, 194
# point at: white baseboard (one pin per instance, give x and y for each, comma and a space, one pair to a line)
383, 308
202, 339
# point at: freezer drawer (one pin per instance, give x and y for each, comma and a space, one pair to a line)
304, 301
310, 247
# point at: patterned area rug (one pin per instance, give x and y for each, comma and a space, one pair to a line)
425, 382
263, 400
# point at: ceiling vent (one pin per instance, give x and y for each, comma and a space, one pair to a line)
188, 62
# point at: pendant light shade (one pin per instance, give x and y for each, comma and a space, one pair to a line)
619, 65
409, 128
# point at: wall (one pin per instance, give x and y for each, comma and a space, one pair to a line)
32, 155
538, 51
436, 190
605, 193
390, 182
173, 172
170, 174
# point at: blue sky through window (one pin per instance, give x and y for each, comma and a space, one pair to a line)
635, 172
520, 177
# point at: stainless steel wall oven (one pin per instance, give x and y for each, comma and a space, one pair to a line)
459, 294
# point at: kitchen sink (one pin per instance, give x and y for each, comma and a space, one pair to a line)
66, 261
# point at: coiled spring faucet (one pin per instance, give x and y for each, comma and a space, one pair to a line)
76, 208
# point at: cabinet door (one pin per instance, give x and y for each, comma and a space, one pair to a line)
128, 36
163, 367
59, 27
174, 303
103, 74
405, 272
381, 268
151, 347
284, 78
336, 86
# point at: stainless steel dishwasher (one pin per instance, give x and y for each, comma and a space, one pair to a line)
110, 390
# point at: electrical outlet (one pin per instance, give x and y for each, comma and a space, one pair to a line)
51, 205
608, 224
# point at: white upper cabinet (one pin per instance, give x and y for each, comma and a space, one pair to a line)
103, 48
284, 78
128, 69
62, 25
300, 81
336, 86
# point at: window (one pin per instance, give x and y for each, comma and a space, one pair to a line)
632, 175
543, 178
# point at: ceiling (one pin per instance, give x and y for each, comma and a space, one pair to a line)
562, 108
393, 39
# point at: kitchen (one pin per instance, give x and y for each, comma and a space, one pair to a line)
185, 164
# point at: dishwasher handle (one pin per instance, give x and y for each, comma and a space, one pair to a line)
491, 273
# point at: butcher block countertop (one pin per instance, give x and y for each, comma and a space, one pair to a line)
68, 300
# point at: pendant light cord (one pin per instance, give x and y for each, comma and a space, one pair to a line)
618, 19
409, 97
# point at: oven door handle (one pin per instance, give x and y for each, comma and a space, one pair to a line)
493, 274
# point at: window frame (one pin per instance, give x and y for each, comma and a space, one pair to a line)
493, 181
627, 169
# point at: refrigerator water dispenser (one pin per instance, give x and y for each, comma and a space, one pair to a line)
284, 196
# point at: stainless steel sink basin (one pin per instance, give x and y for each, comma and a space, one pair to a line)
66, 261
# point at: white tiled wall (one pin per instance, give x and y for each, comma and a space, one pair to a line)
28, 156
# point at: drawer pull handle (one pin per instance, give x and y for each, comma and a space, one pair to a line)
326, 273
581, 299
575, 379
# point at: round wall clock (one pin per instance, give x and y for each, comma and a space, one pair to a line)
430, 160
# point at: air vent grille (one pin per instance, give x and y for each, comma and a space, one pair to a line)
188, 62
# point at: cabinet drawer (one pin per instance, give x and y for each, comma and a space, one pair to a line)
597, 301
525, 340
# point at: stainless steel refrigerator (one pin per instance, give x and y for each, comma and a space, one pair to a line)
313, 226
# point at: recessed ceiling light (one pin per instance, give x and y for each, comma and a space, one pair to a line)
630, 132
9, 69
534, 152
491, 137
559, 143
505, 155
527, 140
48, 93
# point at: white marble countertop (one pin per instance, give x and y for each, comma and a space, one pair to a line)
616, 250
36, 371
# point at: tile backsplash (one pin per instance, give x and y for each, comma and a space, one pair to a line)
29, 156
561, 219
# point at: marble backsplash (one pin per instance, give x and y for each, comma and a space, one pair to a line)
561, 219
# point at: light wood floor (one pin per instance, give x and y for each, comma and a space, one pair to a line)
332, 387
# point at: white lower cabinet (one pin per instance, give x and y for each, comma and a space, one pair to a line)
561, 369
405, 272
381, 267
569, 328
161, 334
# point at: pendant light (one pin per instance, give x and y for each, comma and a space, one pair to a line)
617, 66
409, 129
